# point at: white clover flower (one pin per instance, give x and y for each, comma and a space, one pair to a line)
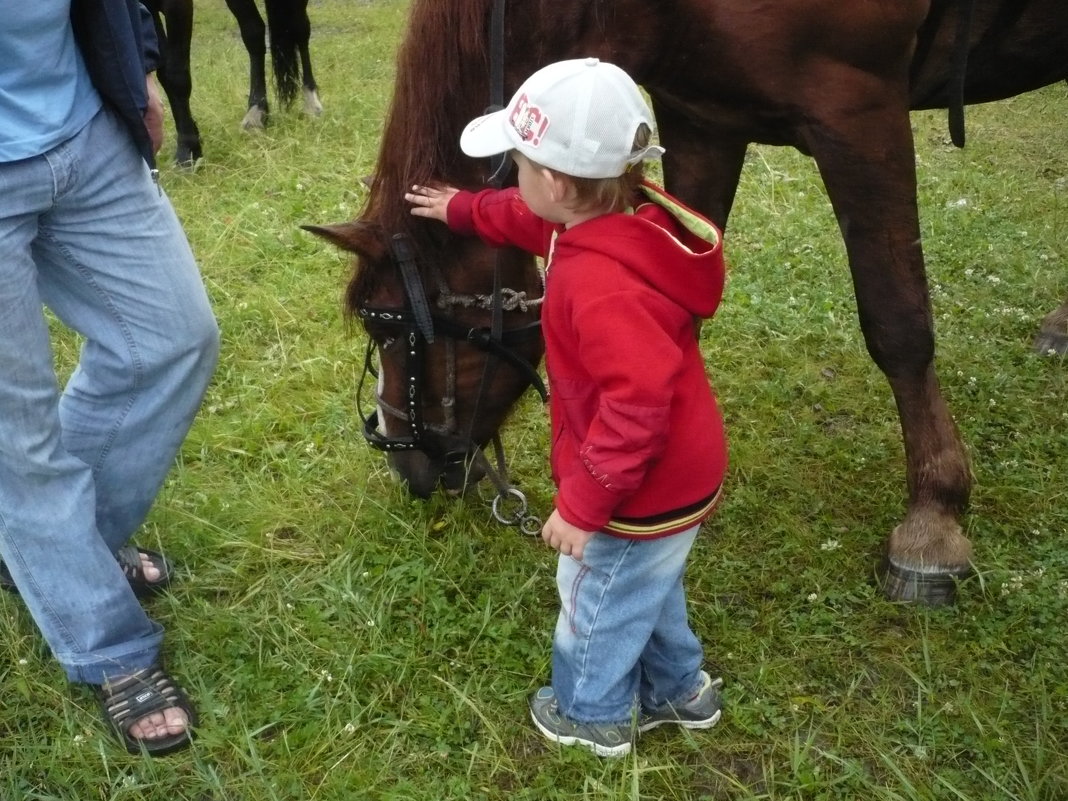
830, 545
350, 728
813, 597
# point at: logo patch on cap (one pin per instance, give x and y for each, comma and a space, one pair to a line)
528, 120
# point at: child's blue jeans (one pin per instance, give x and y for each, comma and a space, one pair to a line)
623, 636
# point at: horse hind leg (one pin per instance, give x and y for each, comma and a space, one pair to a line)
313, 107
868, 167
254, 36
1052, 338
290, 30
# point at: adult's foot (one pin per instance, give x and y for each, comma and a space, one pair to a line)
148, 572
148, 711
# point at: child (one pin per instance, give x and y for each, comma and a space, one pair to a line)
638, 453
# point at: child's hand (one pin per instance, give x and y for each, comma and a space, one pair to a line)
431, 201
564, 537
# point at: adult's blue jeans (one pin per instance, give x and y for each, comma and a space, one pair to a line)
623, 637
86, 232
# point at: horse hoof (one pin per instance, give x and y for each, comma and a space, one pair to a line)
187, 159
312, 106
928, 589
1052, 343
255, 119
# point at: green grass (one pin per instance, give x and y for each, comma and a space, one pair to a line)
345, 642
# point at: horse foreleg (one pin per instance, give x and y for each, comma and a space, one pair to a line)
254, 36
867, 162
702, 166
1052, 337
174, 77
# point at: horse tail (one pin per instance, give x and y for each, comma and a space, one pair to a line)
287, 21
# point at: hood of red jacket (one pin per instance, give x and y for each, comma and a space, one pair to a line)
672, 247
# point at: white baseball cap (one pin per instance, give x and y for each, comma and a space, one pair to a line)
577, 117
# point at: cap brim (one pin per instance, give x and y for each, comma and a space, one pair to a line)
486, 135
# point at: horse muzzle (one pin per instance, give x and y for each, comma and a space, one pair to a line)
423, 474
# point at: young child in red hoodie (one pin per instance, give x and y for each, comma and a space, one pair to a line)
638, 448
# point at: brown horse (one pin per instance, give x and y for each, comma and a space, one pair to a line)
290, 33
835, 80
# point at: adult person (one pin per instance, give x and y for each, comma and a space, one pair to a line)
86, 231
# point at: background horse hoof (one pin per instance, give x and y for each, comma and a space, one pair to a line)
255, 119
312, 106
1051, 343
187, 156
929, 589
1052, 335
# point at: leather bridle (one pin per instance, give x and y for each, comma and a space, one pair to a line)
417, 326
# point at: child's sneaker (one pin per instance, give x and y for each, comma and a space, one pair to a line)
702, 711
604, 739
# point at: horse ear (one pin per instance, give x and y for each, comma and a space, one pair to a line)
354, 236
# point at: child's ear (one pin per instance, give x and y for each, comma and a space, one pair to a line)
560, 186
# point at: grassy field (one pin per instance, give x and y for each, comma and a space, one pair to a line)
346, 642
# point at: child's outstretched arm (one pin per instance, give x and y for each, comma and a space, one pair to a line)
431, 201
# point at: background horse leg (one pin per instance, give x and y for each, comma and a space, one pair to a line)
175, 37
290, 30
1053, 335
866, 158
254, 35
313, 107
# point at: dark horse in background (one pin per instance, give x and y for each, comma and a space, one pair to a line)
290, 31
834, 79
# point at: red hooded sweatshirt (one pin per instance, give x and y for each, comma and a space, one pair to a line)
638, 447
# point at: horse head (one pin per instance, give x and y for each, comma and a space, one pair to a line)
453, 342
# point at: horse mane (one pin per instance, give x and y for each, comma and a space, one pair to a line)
441, 62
